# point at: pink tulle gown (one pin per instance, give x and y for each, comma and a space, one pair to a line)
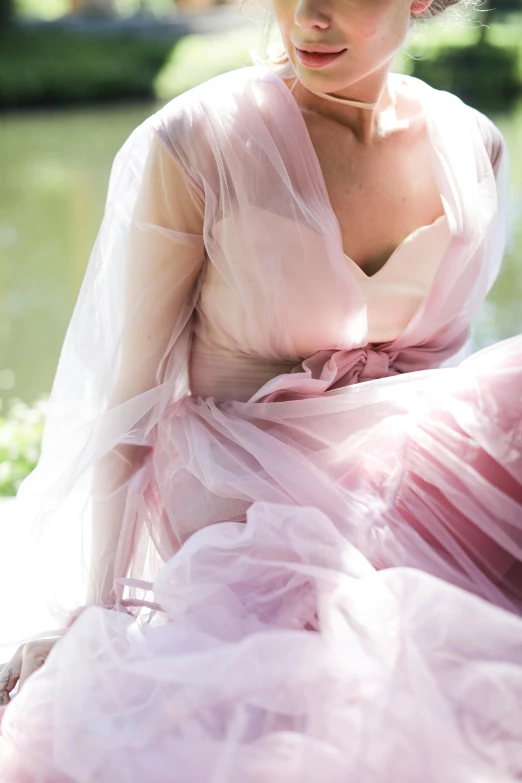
323, 538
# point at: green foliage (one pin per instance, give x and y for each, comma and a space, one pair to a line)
6, 12
451, 56
20, 441
198, 58
42, 9
485, 75
55, 67
44, 66
53, 9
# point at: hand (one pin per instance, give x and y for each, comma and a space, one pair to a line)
31, 656
27, 659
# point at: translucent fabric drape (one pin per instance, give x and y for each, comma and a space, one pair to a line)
355, 615
124, 357
222, 189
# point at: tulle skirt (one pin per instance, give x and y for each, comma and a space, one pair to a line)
337, 582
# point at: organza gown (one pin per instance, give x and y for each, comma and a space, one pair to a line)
356, 613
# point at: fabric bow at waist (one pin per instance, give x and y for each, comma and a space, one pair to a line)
328, 370
333, 369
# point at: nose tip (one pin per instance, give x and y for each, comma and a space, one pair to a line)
309, 23
310, 15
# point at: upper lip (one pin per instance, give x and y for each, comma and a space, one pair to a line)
320, 48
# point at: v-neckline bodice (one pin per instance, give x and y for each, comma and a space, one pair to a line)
350, 268
389, 265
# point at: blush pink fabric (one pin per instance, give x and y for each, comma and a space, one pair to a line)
327, 527
395, 292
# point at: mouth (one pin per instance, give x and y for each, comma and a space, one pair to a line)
318, 56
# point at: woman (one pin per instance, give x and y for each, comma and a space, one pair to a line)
289, 262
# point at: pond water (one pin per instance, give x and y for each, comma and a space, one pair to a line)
54, 169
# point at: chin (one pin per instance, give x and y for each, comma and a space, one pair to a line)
324, 81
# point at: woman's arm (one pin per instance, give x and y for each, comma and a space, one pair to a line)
164, 258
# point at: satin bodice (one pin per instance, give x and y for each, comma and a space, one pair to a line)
276, 288
393, 295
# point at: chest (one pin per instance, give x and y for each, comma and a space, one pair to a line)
380, 193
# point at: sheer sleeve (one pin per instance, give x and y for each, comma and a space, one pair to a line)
498, 154
164, 257
494, 171
131, 321
163, 260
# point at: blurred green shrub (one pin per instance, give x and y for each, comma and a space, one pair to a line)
198, 58
54, 67
40, 67
485, 75
20, 442
42, 9
7, 10
54, 9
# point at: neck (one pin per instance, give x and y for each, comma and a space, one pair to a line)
349, 101
366, 125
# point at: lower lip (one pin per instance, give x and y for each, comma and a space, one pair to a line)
317, 59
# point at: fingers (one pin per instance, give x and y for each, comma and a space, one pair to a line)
7, 683
9, 676
27, 659
33, 657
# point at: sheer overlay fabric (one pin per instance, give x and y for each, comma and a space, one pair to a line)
357, 610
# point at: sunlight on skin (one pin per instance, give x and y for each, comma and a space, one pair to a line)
368, 34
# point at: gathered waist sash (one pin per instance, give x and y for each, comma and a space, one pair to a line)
329, 370
228, 375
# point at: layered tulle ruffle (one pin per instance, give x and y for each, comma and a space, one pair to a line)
285, 656
353, 627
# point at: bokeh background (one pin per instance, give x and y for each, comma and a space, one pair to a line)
77, 76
